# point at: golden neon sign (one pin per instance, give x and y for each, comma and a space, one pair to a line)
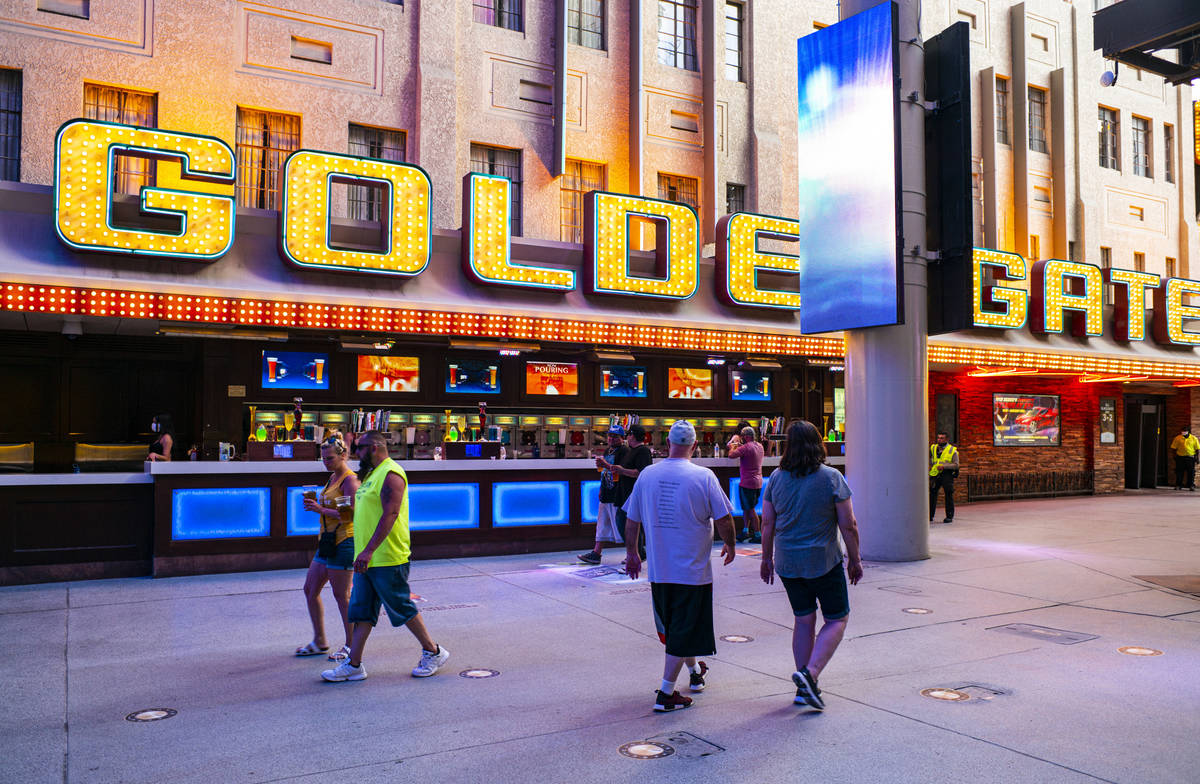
607, 247
739, 260
1051, 299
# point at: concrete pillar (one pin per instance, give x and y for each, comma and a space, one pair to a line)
887, 400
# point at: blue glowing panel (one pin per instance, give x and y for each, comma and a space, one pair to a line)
622, 381
589, 501
220, 513
850, 275
475, 376
301, 522
736, 497
441, 506
530, 503
750, 384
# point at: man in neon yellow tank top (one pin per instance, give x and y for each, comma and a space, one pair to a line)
382, 546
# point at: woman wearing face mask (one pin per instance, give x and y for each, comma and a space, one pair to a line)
162, 426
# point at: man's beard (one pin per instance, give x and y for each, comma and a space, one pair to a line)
365, 464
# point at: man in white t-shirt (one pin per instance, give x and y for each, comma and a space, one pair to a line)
678, 502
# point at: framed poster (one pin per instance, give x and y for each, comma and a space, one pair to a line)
1025, 420
1108, 420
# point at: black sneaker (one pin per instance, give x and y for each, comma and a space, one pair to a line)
664, 703
743, 535
806, 688
590, 558
948, 520
697, 678
755, 538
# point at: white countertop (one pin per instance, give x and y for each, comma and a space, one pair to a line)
27, 480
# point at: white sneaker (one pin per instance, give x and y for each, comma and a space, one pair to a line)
345, 672
430, 662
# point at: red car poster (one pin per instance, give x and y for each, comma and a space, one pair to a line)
1025, 420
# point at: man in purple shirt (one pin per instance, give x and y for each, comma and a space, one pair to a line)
750, 457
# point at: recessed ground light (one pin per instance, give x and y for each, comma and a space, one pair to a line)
152, 714
1137, 650
478, 672
646, 749
736, 638
916, 611
946, 695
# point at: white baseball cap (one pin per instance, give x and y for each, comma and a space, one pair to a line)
682, 433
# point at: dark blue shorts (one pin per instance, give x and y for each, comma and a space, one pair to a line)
343, 557
385, 586
829, 589
749, 497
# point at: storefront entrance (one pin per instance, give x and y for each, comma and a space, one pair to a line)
1145, 423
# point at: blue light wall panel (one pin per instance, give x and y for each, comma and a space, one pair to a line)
220, 513
440, 506
736, 497
589, 501
530, 503
301, 522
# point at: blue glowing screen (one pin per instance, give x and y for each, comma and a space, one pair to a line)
750, 384
220, 513
622, 381
440, 506
475, 376
294, 370
589, 501
736, 497
530, 503
301, 522
850, 275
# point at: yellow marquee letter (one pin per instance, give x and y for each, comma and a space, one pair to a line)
606, 247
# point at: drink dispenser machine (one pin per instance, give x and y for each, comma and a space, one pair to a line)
554, 436
423, 427
503, 428
579, 436
531, 437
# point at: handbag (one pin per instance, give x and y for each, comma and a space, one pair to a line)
327, 544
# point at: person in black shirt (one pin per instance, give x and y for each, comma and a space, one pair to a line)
609, 527
637, 458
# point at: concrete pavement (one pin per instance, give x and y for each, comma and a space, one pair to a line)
578, 662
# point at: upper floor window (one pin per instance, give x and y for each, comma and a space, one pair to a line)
365, 203
505, 163
10, 124
509, 14
579, 178
263, 141
1037, 120
127, 107
585, 23
677, 34
735, 198
1169, 152
1170, 267
1142, 162
1110, 139
1139, 261
735, 17
1002, 110
1106, 264
685, 190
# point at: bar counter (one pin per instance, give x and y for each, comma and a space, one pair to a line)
188, 517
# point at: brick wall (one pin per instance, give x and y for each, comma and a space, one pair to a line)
1079, 409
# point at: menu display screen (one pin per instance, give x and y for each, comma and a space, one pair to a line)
473, 376
750, 384
388, 374
294, 370
689, 383
622, 381
551, 378
1025, 420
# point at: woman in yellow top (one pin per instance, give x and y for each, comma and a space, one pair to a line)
334, 561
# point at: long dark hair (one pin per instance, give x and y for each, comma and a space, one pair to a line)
166, 427
802, 451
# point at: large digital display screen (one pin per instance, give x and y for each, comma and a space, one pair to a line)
294, 370
1025, 420
622, 381
850, 275
475, 376
689, 383
551, 378
388, 374
750, 384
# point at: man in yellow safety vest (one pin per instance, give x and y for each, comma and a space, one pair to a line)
943, 462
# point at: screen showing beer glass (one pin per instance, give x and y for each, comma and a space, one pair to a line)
473, 376
849, 175
622, 381
294, 370
388, 374
689, 383
750, 384
551, 378
1026, 420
